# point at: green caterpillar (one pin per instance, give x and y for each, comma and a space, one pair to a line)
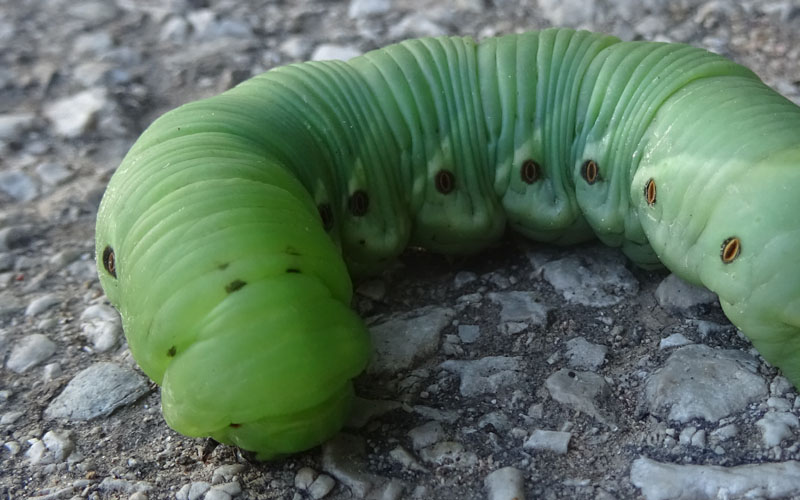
228, 235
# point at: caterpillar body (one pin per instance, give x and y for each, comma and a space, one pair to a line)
228, 235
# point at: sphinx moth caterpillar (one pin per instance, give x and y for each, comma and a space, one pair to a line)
228, 235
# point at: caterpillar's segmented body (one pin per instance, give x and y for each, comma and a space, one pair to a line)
219, 237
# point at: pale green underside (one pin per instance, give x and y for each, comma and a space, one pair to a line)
235, 298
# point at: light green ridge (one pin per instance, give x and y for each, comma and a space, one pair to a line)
236, 299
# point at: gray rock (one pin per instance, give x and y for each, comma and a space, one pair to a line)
520, 307
10, 417
700, 382
777, 426
6, 262
780, 385
504, 484
406, 459
678, 296
446, 416
469, 333
193, 491
568, 13
52, 173
12, 237
329, 51
543, 440
497, 419
416, 25
486, 375
449, 453
586, 392
597, 280
102, 325
96, 392
426, 434
41, 304
208, 26
36, 452
13, 124
175, 30
365, 8
226, 472
781, 404
674, 340
13, 447
76, 114
691, 436
321, 486
224, 491
304, 477
52, 371
115, 485
663, 481
59, 445
93, 12
344, 458
706, 328
399, 342
4, 343
463, 278
725, 432
92, 44
18, 185
29, 352
295, 47
583, 355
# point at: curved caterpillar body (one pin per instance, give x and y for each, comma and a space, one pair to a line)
227, 237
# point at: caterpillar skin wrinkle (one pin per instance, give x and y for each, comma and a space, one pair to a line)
228, 235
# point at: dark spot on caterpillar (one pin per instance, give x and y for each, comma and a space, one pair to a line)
292, 251
172, 351
359, 203
445, 181
571, 374
730, 249
109, 262
326, 214
223, 266
530, 171
236, 426
650, 192
590, 171
234, 285
292, 270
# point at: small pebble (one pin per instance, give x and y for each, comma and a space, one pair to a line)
543, 440
29, 352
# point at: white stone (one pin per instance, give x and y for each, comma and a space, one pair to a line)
76, 114
505, 484
29, 352
328, 51
665, 481
543, 440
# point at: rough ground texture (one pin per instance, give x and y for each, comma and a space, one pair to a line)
529, 371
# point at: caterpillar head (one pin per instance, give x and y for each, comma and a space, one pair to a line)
738, 233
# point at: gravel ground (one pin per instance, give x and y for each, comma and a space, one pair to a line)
527, 372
